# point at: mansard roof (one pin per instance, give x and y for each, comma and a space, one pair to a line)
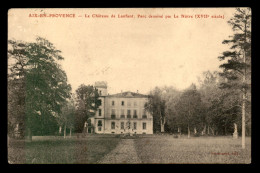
128, 94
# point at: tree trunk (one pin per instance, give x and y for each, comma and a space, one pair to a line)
162, 125
60, 129
204, 130
70, 132
212, 130
208, 130
188, 131
65, 131
244, 95
244, 103
243, 121
162, 122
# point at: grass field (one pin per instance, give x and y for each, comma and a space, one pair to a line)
58, 150
149, 149
166, 149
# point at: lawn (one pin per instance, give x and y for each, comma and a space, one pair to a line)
166, 149
58, 150
149, 149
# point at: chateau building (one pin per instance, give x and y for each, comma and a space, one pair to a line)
121, 113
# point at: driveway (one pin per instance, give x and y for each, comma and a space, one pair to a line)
124, 153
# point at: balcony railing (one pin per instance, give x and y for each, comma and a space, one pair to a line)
134, 117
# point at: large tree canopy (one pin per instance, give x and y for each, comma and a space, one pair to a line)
189, 109
87, 102
43, 83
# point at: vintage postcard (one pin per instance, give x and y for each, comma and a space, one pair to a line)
129, 85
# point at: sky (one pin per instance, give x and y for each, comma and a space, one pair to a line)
130, 54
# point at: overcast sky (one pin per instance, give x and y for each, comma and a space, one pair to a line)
129, 53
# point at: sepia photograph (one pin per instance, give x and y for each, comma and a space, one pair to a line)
129, 85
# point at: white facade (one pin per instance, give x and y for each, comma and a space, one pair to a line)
122, 113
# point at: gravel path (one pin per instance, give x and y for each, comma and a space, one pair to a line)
124, 153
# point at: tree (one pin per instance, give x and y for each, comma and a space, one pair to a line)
16, 85
66, 118
171, 96
161, 105
189, 108
221, 105
156, 106
45, 83
209, 91
237, 68
87, 103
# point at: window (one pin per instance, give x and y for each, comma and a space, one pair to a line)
135, 114
144, 114
144, 126
113, 125
122, 113
99, 125
113, 111
99, 112
135, 125
122, 125
128, 103
122, 103
128, 113
113, 103
100, 101
135, 103
100, 93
